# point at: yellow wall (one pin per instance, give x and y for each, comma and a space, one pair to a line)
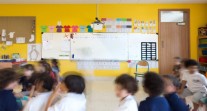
84, 14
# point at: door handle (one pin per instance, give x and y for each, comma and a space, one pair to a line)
162, 43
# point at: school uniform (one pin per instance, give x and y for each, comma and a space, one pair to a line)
196, 86
176, 103
128, 104
157, 103
70, 102
38, 103
8, 101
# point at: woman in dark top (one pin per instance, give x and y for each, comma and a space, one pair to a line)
8, 81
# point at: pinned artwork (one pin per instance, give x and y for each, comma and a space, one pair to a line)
11, 34
97, 26
67, 28
3, 35
34, 52
20, 40
75, 28
59, 26
43, 29
9, 43
51, 28
82, 29
32, 38
90, 29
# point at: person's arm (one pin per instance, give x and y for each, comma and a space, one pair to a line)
52, 97
204, 80
183, 84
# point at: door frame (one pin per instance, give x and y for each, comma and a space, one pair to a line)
159, 28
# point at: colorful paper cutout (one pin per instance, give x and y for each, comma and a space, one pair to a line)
90, 29
75, 28
67, 28
82, 28
51, 28
44, 28
11, 34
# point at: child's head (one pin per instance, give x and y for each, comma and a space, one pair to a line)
125, 85
54, 62
177, 60
153, 84
191, 65
73, 83
28, 70
171, 84
43, 67
8, 79
44, 83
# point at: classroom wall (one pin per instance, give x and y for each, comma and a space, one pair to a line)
80, 14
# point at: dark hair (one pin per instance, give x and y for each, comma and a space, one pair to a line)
46, 80
153, 83
28, 67
46, 65
173, 79
7, 76
55, 62
190, 62
127, 82
74, 82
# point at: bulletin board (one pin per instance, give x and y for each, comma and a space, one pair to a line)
21, 26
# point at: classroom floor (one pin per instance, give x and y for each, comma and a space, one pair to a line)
101, 97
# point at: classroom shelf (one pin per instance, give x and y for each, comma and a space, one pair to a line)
202, 37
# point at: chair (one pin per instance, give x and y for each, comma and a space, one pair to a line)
142, 63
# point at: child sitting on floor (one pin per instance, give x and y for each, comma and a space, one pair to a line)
171, 85
8, 81
43, 86
126, 87
153, 85
74, 99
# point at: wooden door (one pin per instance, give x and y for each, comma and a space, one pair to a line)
173, 41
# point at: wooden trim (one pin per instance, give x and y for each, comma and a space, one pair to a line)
159, 27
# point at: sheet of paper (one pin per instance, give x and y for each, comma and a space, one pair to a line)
20, 40
65, 46
98, 65
34, 52
9, 43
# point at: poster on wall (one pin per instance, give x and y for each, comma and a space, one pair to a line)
34, 52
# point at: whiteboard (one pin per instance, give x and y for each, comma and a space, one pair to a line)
99, 46
135, 40
56, 46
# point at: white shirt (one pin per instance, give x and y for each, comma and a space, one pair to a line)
38, 103
70, 102
195, 82
128, 104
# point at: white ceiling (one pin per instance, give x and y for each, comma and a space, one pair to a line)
96, 1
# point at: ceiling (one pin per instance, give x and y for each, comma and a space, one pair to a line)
96, 1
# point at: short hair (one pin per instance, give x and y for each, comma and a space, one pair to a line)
153, 83
128, 83
55, 62
7, 76
28, 67
190, 62
173, 79
74, 82
46, 80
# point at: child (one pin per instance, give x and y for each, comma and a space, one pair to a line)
171, 85
153, 85
74, 100
8, 81
44, 67
196, 83
177, 66
26, 81
43, 86
56, 69
126, 87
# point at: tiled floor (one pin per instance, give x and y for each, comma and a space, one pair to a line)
101, 97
